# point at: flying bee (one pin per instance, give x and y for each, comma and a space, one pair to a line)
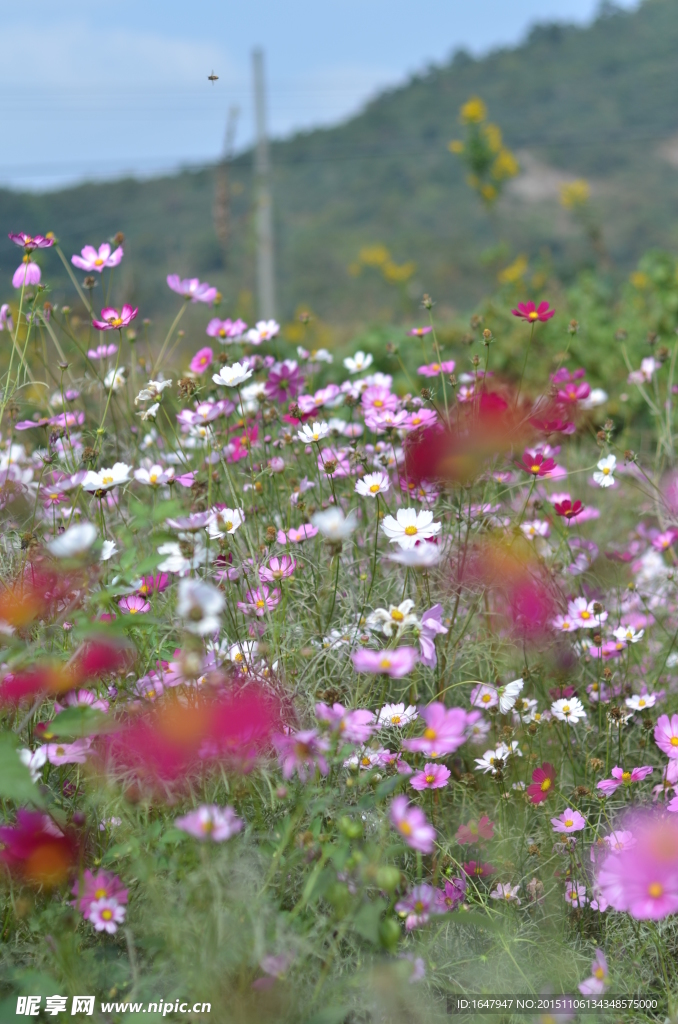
213, 78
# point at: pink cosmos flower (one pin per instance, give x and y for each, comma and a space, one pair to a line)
395, 663
100, 886
477, 869
6, 318
91, 259
226, 330
420, 419
106, 915
643, 879
575, 894
26, 274
622, 778
298, 534
531, 313
102, 351
201, 361
419, 332
620, 840
412, 824
446, 730
154, 584
418, 905
433, 776
484, 695
506, 892
567, 509
112, 320
452, 895
569, 821
191, 288
210, 822
572, 393
379, 399
431, 627
598, 982
474, 831
666, 735
542, 783
301, 752
355, 726
68, 753
284, 381
433, 369
277, 569
81, 698
259, 601
133, 605
30, 242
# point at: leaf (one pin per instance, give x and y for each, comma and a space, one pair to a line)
368, 919
15, 779
77, 722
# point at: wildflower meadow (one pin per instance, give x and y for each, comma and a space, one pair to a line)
336, 685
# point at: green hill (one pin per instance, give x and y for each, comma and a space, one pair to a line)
599, 102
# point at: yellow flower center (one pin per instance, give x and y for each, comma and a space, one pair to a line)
132, 611
374, 488
60, 751
107, 479
397, 615
98, 263
238, 657
546, 785
115, 321
566, 624
585, 615
606, 471
626, 776
153, 478
599, 973
486, 698
405, 828
566, 709
261, 604
378, 403
222, 333
535, 468
395, 719
430, 778
99, 894
410, 531
674, 741
429, 734
569, 822
641, 703
533, 315
107, 914
436, 367
207, 826
385, 663
655, 890
228, 524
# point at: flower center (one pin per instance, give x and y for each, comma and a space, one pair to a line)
153, 478
385, 663
606, 471
374, 488
486, 698
98, 263
546, 785
410, 531
99, 894
107, 914
430, 778
533, 316
228, 524
534, 468
569, 822
222, 333
395, 719
674, 741
599, 973
207, 826
378, 403
405, 828
260, 603
107, 479
429, 734
655, 890
397, 616
365, 761
115, 321
626, 776
585, 615
436, 367
566, 709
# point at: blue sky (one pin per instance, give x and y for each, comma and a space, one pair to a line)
93, 90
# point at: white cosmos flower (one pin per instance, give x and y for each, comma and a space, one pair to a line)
309, 434
493, 760
34, 760
263, 331
628, 634
410, 526
509, 694
225, 520
153, 390
537, 528
155, 476
105, 479
396, 715
334, 525
373, 484
231, 376
398, 618
358, 363
568, 709
108, 549
423, 557
150, 413
596, 398
243, 653
200, 604
639, 702
115, 379
606, 467
182, 555
74, 541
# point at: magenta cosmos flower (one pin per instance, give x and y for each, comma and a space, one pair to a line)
643, 879
666, 735
412, 824
191, 288
26, 273
433, 369
418, 905
101, 886
111, 320
31, 242
301, 752
419, 332
396, 663
226, 330
133, 605
277, 569
91, 259
528, 311
355, 726
542, 783
446, 730
569, 821
433, 776
154, 584
284, 381
622, 778
202, 360
474, 831
536, 465
210, 822
452, 895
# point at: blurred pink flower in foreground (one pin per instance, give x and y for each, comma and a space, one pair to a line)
642, 879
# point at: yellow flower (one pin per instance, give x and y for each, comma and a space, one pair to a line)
505, 166
456, 146
639, 280
575, 194
393, 272
473, 111
514, 272
492, 133
489, 193
374, 255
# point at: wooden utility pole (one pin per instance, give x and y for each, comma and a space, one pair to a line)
222, 190
264, 207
